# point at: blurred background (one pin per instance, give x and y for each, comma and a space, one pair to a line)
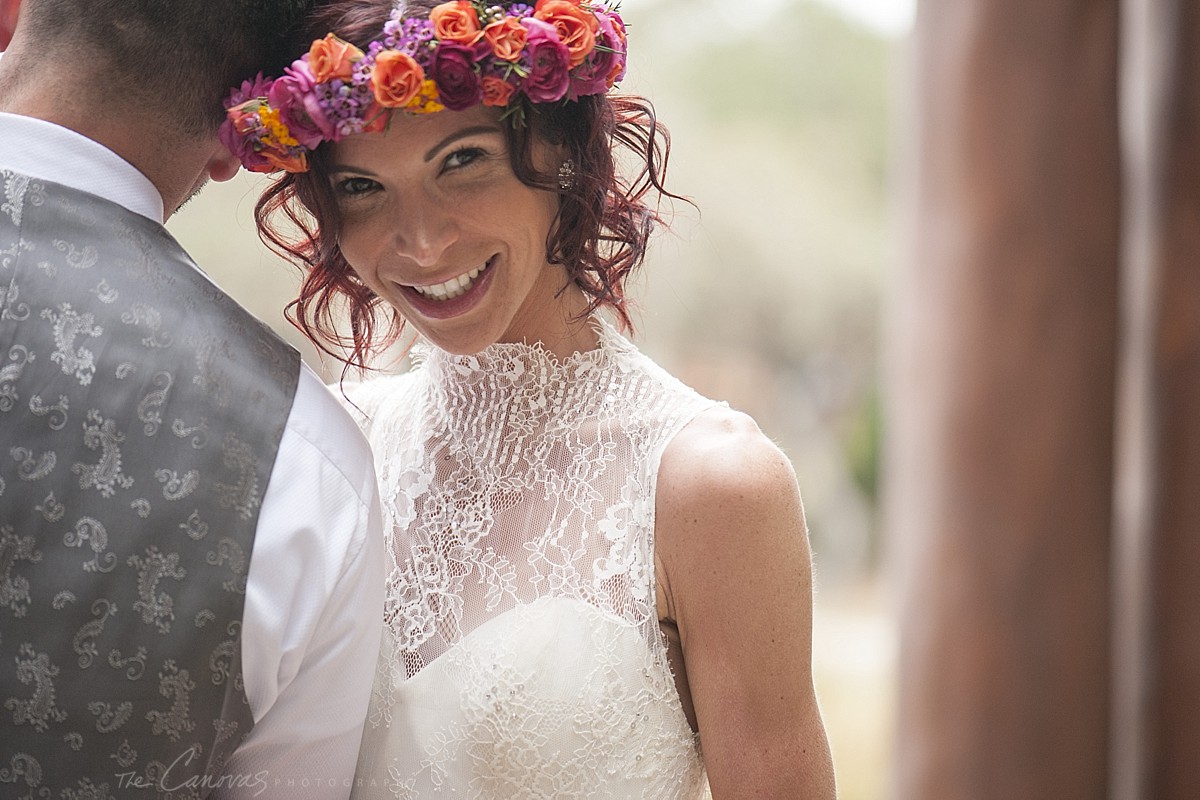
767, 296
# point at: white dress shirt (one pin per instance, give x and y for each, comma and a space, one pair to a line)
314, 595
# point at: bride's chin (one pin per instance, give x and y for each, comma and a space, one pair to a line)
464, 339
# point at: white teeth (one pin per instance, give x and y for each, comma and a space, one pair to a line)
452, 288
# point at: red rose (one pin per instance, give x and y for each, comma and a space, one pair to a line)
453, 70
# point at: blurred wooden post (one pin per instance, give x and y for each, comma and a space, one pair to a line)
1174, 247
1147, 35
1001, 401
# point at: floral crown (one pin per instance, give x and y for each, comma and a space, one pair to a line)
465, 53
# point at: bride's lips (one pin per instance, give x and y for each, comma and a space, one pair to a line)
445, 309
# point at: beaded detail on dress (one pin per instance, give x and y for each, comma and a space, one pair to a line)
522, 655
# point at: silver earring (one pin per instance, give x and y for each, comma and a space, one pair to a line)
566, 175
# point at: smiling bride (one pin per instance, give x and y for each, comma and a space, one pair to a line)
599, 581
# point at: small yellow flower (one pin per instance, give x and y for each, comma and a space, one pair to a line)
278, 131
426, 101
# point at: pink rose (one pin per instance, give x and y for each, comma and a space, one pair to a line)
595, 74
549, 63
296, 100
249, 90
453, 70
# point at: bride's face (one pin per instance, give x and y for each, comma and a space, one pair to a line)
435, 222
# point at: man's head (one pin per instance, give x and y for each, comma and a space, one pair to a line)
176, 59
146, 78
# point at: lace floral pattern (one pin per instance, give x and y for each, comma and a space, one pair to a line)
522, 653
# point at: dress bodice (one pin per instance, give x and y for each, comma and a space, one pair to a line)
522, 655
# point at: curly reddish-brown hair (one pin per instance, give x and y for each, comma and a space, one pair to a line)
599, 235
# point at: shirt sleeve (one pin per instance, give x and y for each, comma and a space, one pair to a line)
314, 608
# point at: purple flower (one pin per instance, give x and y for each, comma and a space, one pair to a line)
520, 10
453, 70
295, 97
346, 104
549, 68
412, 37
391, 30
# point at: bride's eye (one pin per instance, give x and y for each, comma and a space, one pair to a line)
355, 187
462, 158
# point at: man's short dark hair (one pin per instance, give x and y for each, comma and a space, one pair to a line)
179, 56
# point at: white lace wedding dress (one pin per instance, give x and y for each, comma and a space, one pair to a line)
522, 654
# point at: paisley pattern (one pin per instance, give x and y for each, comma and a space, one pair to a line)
119, 362
39, 709
522, 654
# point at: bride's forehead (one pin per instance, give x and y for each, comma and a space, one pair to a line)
418, 132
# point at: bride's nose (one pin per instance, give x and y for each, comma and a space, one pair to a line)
423, 232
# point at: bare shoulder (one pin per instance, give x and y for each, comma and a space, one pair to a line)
721, 466
728, 514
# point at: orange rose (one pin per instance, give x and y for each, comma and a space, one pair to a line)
576, 27
456, 22
285, 162
396, 78
617, 68
331, 58
496, 91
507, 38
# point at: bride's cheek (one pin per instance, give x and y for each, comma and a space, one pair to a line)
373, 283
357, 241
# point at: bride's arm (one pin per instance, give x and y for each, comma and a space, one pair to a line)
733, 547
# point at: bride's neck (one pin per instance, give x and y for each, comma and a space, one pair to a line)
563, 329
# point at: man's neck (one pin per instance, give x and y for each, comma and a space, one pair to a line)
173, 163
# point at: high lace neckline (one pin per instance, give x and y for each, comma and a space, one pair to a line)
521, 362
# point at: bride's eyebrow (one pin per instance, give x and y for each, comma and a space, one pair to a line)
334, 169
459, 134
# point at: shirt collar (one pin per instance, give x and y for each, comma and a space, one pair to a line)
53, 153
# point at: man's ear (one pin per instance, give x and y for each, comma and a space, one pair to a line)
8, 20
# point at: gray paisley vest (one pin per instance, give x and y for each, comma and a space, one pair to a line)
140, 414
